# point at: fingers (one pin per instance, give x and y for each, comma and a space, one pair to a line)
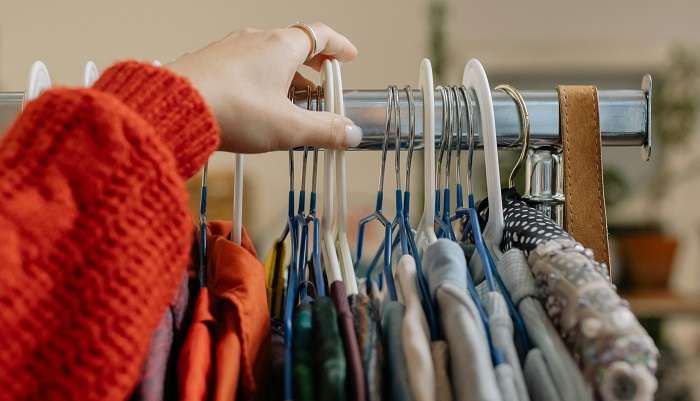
319, 129
330, 44
300, 82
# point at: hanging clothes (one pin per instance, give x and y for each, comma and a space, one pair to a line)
557, 365
367, 320
473, 377
237, 282
159, 369
329, 357
274, 277
397, 379
195, 362
356, 377
502, 333
616, 354
415, 335
303, 352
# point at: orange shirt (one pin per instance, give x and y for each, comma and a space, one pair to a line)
237, 282
194, 363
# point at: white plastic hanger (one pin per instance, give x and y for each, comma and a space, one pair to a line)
38, 81
475, 79
425, 234
90, 73
341, 220
330, 256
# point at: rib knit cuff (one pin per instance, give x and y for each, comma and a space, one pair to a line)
171, 105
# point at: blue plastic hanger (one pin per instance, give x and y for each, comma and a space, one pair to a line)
292, 229
202, 268
378, 216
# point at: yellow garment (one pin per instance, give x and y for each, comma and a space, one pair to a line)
274, 277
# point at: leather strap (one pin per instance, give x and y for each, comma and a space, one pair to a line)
584, 206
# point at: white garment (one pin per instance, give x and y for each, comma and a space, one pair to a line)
415, 334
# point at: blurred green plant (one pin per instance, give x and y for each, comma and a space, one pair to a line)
437, 37
676, 98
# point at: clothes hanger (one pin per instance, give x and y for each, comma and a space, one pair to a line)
449, 113
290, 296
316, 244
425, 233
522, 339
398, 222
475, 79
300, 219
330, 256
90, 73
237, 200
378, 215
421, 281
37, 82
342, 243
202, 270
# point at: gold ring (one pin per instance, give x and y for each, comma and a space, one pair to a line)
312, 37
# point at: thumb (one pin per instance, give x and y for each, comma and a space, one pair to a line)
318, 129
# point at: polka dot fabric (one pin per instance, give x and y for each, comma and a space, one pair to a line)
525, 227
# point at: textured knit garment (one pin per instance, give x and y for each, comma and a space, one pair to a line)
473, 377
194, 365
237, 282
397, 379
274, 277
560, 365
367, 322
303, 353
415, 335
159, 379
357, 390
95, 229
329, 357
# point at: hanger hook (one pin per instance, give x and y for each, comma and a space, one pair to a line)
411, 134
460, 127
450, 131
396, 115
470, 136
387, 133
524, 129
290, 94
443, 137
319, 107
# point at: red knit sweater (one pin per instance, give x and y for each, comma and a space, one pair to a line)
94, 229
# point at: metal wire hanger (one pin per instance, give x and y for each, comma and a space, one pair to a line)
378, 215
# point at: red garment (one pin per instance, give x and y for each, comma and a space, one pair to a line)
194, 364
237, 280
95, 231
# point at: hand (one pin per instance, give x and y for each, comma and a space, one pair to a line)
245, 78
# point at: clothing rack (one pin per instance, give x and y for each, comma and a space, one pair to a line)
625, 120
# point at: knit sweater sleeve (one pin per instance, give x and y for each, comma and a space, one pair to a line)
94, 229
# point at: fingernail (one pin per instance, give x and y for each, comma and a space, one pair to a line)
353, 135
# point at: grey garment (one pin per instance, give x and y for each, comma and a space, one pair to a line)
563, 370
473, 377
397, 375
539, 380
501, 327
615, 352
504, 376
